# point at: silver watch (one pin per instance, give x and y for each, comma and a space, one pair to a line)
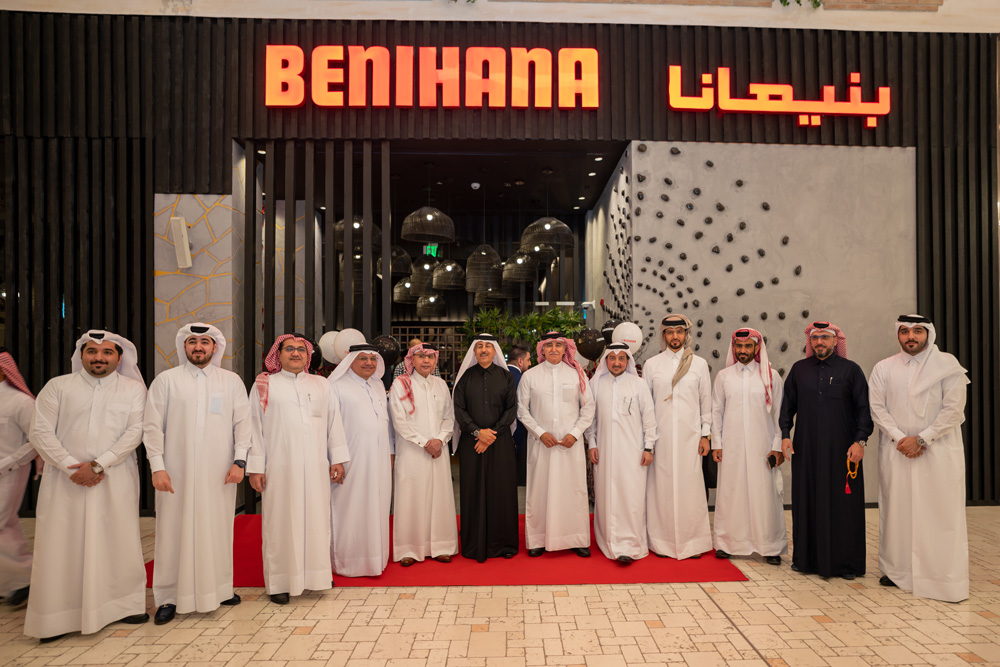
96, 468
475, 434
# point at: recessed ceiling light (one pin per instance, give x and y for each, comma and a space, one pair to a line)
519, 182
322, 208
548, 171
593, 173
576, 208
261, 151
598, 159
582, 198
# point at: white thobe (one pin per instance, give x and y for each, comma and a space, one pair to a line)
424, 508
88, 569
360, 506
294, 442
923, 540
676, 505
557, 510
16, 453
197, 423
624, 425
749, 511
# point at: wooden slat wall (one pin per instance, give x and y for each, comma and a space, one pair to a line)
188, 85
77, 243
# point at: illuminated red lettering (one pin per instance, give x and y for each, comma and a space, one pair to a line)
520, 83
585, 86
446, 77
323, 75
495, 83
358, 58
283, 83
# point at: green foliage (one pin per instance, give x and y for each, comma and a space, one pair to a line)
524, 329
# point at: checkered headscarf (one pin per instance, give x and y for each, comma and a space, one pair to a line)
9, 368
273, 365
766, 374
569, 358
406, 380
817, 327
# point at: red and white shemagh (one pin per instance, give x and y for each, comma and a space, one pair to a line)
406, 380
9, 368
569, 358
273, 365
760, 357
840, 349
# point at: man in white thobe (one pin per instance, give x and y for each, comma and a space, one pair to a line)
555, 404
621, 440
17, 405
746, 443
423, 418
88, 569
360, 509
676, 504
297, 448
918, 402
196, 433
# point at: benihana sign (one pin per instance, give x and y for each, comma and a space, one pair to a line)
356, 76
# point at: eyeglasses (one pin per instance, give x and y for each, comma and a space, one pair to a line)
822, 337
300, 350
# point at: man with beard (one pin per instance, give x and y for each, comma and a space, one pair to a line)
918, 403
485, 409
423, 418
88, 569
676, 503
555, 404
297, 447
197, 433
360, 510
746, 442
518, 361
826, 398
17, 404
621, 439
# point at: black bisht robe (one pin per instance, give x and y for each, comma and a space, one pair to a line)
828, 401
486, 398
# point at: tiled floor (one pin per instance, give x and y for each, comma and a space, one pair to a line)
776, 618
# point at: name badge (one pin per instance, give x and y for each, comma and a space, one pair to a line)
215, 406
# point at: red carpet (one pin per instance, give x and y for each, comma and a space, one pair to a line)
563, 567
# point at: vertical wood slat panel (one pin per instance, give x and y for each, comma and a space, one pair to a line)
366, 236
331, 280
347, 265
290, 238
270, 249
251, 246
309, 225
386, 319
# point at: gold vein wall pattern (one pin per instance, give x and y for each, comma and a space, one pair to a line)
180, 89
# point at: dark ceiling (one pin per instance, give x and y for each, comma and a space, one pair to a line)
518, 181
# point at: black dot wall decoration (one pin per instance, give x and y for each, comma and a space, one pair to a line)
640, 178
640, 196
766, 206
720, 207
784, 347
729, 267
716, 250
642, 148
683, 256
708, 221
698, 235
719, 319
715, 353
729, 238
781, 315
775, 281
760, 251
739, 183
659, 214
673, 151
743, 225
744, 259
758, 284
798, 270
715, 299
668, 181
745, 318
696, 192
740, 292
763, 316
718, 335
805, 313
680, 221
784, 240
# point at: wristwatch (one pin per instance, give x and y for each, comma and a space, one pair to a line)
648, 450
921, 441
240, 463
475, 434
96, 467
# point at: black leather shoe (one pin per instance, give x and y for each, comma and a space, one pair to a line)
719, 553
886, 581
53, 638
135, 619
18, 597
165, 614
582, 552
279, 598
847, 576
233, 601
795, 568
626, 560
534, 553
509, 554
772, 560
407, 562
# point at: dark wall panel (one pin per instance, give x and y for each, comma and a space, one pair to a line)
109, 87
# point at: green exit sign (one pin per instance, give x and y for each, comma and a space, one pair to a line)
432, 249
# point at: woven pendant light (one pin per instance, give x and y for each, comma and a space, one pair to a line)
483, 269
542, 253
428, 225
431, 306
422, 278
547, 230
401, 292
400, 263
357, 234
448, 275
519, 268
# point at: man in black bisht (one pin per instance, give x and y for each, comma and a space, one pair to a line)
485, 408
829, 395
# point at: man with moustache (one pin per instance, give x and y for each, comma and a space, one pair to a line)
423, 418
555, 404
88, 569
360, 510
746, 443
485, 410
918, 403
297, 447
676, 502
826, 399
197, 434
621, 440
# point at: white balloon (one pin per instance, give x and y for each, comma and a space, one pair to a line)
344, 340
628, 333
326, 347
